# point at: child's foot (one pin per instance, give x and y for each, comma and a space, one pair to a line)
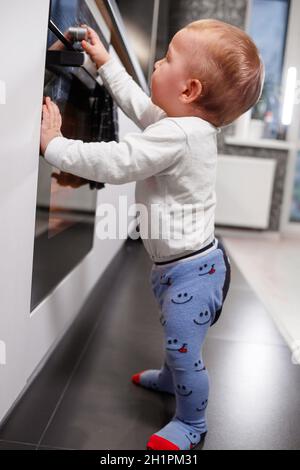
176, 436
154, 380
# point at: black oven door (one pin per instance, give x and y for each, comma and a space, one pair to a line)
66, 204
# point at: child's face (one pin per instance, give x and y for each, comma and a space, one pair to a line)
170, 74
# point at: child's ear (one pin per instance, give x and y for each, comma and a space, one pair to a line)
192, 91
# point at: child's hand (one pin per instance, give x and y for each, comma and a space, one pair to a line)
51, 124
66, 179
95, 48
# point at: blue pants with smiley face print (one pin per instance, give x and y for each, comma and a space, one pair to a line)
190, 293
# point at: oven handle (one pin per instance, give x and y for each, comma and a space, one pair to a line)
52, 26
64, 58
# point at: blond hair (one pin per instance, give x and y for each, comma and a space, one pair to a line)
232, 72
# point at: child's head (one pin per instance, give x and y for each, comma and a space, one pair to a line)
212, 70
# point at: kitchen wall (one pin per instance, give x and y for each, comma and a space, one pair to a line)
25, 339
281, 158
182, 12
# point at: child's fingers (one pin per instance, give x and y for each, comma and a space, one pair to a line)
51, 114
86, 46
45, 117
59, 121
45, 111
51, 109
45, 99
92, 35
57, 115
49, 105
56, 109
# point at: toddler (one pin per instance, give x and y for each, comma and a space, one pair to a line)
211, 74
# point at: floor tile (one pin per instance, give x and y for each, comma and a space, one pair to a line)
244, 318
46, 390
254, 400
272, 268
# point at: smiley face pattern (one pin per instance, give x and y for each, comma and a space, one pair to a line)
190, 295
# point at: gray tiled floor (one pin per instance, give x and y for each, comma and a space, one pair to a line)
6, 445
83, 398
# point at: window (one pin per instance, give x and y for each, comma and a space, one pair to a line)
268, 28
295, 212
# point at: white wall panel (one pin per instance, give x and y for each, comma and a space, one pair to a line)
244, 191
25, 339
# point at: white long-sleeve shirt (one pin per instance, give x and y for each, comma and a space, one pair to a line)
173, 161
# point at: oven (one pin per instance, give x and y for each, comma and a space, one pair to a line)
66, 204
